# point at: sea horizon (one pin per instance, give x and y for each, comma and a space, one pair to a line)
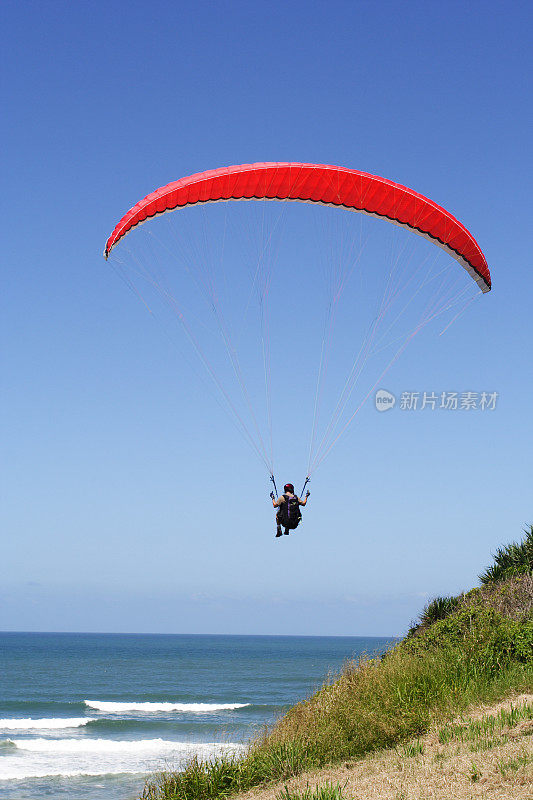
257, 635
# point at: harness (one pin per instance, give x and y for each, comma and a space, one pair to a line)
289, 513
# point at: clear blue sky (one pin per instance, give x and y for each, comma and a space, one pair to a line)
101, 444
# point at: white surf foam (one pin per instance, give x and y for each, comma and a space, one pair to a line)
121, 708
38, 758
95, 745
43, 724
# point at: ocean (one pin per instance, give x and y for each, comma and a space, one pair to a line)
88, 716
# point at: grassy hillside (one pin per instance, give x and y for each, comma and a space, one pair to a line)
485, 754
466, 650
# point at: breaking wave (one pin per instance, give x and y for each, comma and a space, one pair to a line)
72, 757
122, 708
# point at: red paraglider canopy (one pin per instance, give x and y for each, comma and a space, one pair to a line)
316, 183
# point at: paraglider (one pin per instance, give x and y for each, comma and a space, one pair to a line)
400, 299
289, 515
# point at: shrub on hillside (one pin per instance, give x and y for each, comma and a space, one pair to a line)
513, 559
483, 637
437, 609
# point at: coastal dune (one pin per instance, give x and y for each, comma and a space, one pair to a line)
488, 761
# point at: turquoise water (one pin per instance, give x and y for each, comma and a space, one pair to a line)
87, 716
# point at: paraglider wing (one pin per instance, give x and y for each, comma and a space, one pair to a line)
316, 183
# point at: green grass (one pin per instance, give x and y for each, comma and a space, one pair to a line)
328, 791
411, 749
488, 726
225, 775
487, 732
